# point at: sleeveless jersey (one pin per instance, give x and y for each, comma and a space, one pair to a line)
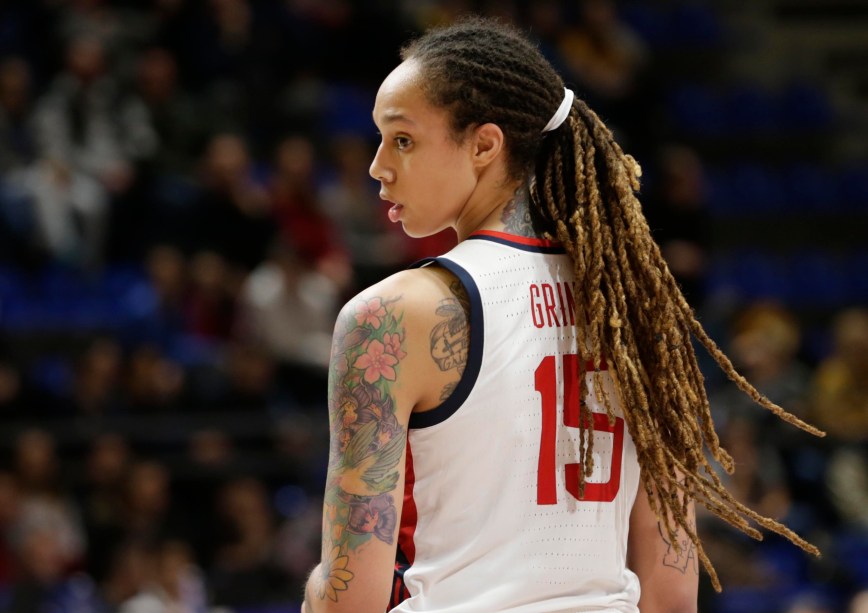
492, 519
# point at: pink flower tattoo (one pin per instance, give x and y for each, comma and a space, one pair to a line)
393, 345
371, 312
376, 363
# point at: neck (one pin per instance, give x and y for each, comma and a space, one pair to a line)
509, 212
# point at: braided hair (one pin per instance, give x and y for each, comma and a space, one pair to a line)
583, 194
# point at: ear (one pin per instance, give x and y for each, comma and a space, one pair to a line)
488, 144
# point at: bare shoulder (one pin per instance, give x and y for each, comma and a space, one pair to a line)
417, 293
432, 308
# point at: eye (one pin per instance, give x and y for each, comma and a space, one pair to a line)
402, 142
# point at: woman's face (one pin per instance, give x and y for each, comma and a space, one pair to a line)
424, 173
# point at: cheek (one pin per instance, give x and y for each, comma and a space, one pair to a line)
455, 178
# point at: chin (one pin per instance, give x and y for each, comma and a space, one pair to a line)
417, 232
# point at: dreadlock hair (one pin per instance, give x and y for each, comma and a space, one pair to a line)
583, 194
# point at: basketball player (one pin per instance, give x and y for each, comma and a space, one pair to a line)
520, 423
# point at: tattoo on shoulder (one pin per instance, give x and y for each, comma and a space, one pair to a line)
450, 338
367, 441
516, 215
684, 560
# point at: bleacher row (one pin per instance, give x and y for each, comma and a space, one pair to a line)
749, 188
738, 109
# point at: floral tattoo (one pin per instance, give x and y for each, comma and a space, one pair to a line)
516, 215
367, 442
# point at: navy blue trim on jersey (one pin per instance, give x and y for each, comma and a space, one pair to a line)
400, 593
474, 357
502, 240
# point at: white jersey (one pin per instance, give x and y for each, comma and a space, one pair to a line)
492, 520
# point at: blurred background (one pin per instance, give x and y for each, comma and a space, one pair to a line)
184, 206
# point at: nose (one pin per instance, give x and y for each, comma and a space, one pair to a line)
379, 170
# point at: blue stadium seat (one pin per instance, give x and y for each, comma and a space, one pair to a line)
805, 107
818, 280
719, 197
809, 187
648, 22
694, 25
753, 599
697, 111
851, 548
756, 189
750, 111
853, 187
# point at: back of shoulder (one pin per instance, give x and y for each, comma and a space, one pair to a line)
422, 316
414, 294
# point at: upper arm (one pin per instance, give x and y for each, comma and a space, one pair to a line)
382, 368
669, 579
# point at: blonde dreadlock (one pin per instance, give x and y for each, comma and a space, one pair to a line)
583, 193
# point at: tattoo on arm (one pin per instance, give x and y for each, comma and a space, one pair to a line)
367, 441
450, 338
684, 560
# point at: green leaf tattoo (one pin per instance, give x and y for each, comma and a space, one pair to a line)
367, 442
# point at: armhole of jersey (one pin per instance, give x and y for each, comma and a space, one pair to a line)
465, 385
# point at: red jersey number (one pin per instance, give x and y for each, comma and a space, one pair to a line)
546, 385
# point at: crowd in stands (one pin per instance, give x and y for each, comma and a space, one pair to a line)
184, 207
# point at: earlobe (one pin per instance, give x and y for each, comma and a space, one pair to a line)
488, 144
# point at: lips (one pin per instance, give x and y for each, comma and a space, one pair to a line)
395, 213
395, 210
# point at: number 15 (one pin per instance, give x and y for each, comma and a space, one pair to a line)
546, 385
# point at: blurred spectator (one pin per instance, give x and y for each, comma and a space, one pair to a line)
249, 373
759, 480
764, 345
859, 603
841, 407
170, 582
172, 114
677, 214
17, 145
10, 509
102, 499
13, 403
350, 198
300, 215
231, 217
49, 520
289, 308
147, 512
172, 135
245, 570
96, 387
154, 382
841, 381
86, 151
608, 60
811, 604
17, 153
44, 584
211, 300
160, 307
128, 574
211, 448
546, 21
298, 542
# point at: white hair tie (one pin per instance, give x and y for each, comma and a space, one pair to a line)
562, 112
